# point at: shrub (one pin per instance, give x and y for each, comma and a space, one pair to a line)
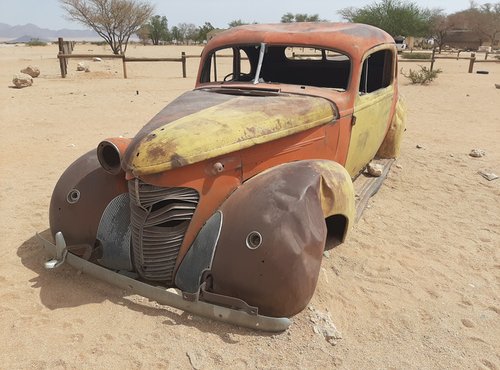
36, 42
422, 77
407, 55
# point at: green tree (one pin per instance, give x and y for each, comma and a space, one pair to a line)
175, 34
300, 17
203, 32
236, 23
396, 17
158, 29
114, 20
187, 32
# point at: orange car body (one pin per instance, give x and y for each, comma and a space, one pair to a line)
232, 192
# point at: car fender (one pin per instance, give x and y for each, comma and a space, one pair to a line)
80, 197
391, 146
274, 231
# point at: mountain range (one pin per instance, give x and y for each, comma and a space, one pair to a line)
30, 31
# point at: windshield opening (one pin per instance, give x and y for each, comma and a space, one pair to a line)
284, 64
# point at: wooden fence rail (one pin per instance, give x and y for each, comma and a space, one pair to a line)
65, 53
63, 58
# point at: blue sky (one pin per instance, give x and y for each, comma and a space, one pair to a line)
48, 14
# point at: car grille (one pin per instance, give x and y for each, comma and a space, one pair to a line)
159, 218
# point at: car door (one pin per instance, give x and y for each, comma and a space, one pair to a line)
372, 109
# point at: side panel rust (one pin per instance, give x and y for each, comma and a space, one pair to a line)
390, 148
372, 112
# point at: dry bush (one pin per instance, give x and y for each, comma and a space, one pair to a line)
423, 76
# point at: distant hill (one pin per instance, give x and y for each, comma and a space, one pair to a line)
25, 39
32, 31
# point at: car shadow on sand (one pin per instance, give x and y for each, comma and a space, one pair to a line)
66, 287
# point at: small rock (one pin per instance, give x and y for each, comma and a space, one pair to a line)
467, 323
196, 358
419, 146
399, 166
87, 69
477, 153
137, 92
490, 176
332, 333
22, 80
33, 71
325, 327
81, 67
375, 170
97, 59
451, 155
326, 254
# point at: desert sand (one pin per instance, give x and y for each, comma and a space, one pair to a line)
415, 286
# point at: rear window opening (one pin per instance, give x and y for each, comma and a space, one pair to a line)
293, 65
377, 72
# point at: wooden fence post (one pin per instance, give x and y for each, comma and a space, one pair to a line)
432, 58
124, 66
471, 63
183, 57
62, 61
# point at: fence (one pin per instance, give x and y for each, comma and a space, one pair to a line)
66, 53
472, 59
63, 61
66, 48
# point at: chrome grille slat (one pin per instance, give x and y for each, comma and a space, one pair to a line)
159, 219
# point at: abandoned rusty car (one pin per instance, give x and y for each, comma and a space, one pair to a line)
223, 204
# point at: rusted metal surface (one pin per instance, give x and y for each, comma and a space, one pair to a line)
235, 187
80, 197
366, 186
351, 38
391, 146
110, 154
159, 219
236, 124
278, 274
163, 296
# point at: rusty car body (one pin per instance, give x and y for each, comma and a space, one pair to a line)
232, 192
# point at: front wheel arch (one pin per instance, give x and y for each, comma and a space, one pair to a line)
287, 206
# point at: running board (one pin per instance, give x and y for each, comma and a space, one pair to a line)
160, 294
366, 186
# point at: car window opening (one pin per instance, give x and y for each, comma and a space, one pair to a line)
376, 72
304, 66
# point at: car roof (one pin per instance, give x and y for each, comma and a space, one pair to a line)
351, 38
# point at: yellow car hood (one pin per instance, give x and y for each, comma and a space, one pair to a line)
201, 125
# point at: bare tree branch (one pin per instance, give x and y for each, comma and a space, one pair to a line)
113, 20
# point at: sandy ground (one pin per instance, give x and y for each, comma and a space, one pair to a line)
415, 286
